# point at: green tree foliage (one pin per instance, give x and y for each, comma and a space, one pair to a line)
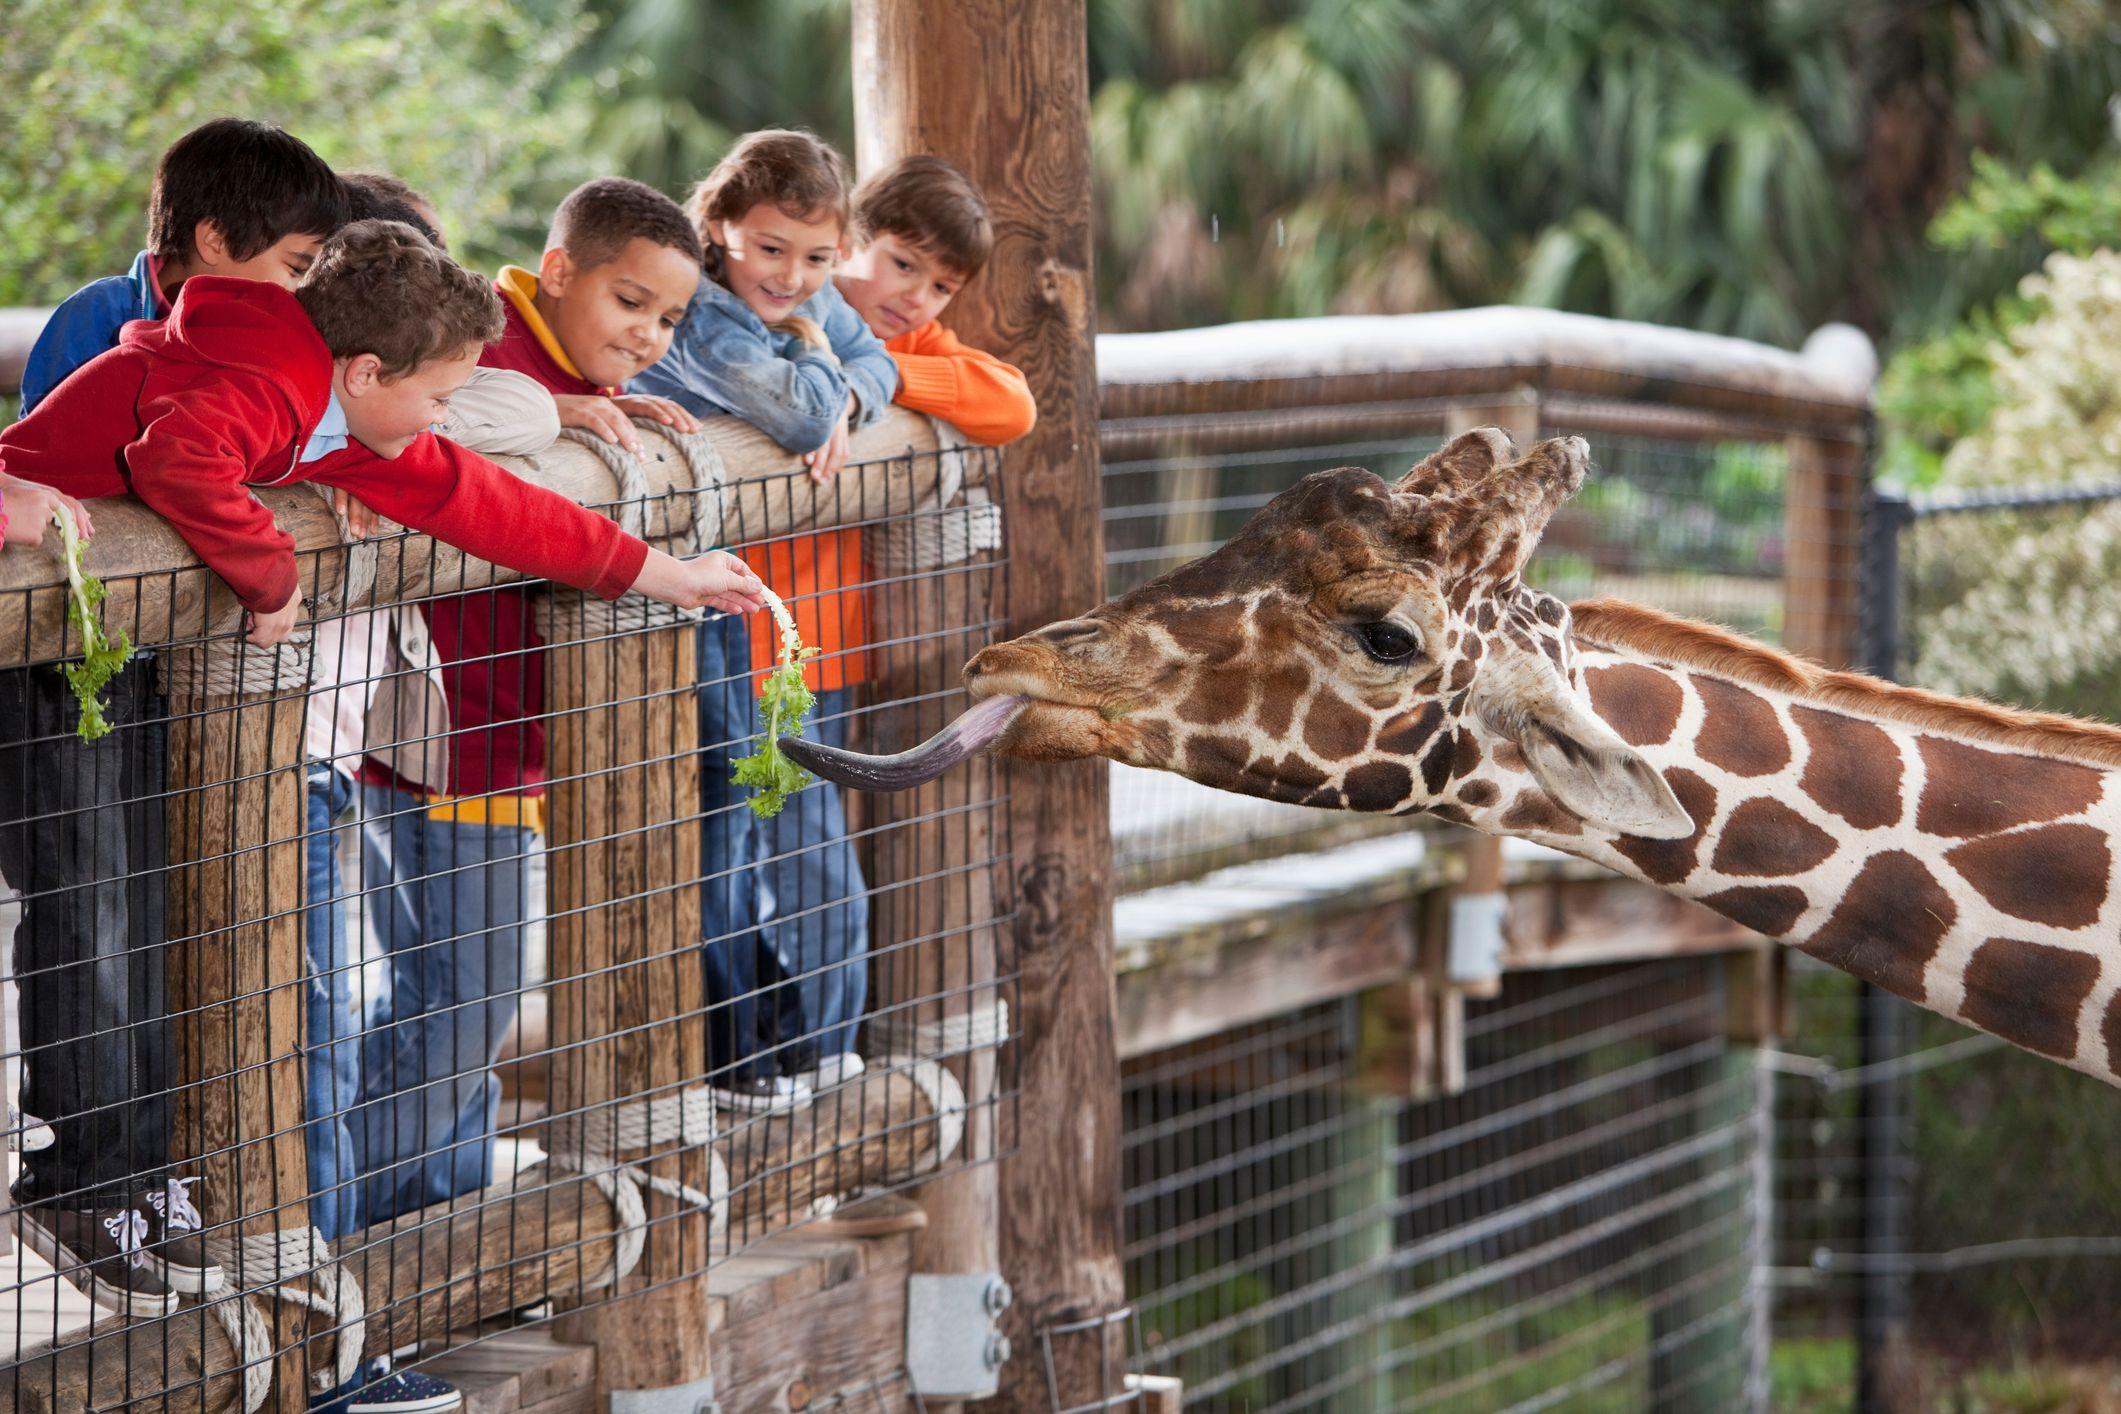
462, 98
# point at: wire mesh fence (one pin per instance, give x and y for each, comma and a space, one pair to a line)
429, 976
1577, 1229
1998, 1158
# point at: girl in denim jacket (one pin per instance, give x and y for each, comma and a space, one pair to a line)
769, 339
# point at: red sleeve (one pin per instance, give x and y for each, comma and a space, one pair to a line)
971, 389
189, 465
438, 487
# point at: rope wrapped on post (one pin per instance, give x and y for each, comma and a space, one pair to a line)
685, 1119
281, 1257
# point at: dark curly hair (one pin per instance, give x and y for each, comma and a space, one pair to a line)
380, 287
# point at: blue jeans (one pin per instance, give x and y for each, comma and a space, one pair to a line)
332, 1086
817, 909
447, 901
783, 908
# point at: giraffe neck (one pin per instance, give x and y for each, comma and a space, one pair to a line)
1971, 877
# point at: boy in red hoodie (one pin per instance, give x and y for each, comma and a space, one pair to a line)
246, 384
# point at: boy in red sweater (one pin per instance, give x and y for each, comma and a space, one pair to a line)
446, 869
246, 384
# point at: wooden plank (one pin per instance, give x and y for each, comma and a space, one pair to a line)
627, 998
1822, 515
1308, 959
1003, 91
235, 979
1575, 922
845, 1335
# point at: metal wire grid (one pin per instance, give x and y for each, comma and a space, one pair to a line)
2003, 1157
869, 1135
1578, 1229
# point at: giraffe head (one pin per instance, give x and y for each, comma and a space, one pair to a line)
1357, 645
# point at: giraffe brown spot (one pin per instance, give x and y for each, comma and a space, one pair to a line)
1767, 839
1552, 648
1377, 785
1887, 925
1549, 610
1334, 728
1461, 594
1484, 616
1461, 675
1738, 730
1153, 742
1325, 799
1406, 733
1436, 766
1853, 770
1509, 756
1534, 809
1278, 695
1295, 772
1217, 697
1972, 791
1465, 754
1772, 910
1479, 793
1474, 648
1213, 632
1446, 811
2054, 875
2028, 993
1639, 703
1209, 755
1669, 861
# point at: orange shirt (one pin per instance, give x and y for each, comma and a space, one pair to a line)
816, 572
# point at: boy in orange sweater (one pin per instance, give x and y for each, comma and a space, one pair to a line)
923, 233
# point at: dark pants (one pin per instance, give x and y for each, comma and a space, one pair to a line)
731, 884
82, 836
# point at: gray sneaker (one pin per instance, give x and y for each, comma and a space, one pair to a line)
174, 1251
103, 1253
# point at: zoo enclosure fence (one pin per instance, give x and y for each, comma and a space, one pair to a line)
552, 1022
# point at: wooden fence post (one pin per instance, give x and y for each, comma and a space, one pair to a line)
1003, 92
235, 968
628, 991
1822, 527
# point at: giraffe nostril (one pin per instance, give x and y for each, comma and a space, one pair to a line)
1069, 633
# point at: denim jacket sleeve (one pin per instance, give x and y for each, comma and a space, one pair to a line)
864, 361
85, 325
723, 362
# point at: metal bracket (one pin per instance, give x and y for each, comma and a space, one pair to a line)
695, 1398
1476, 936
953, 1345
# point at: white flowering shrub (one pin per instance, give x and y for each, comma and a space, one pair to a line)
2027, 607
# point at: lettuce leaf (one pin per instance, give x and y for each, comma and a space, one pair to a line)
784, 703
101, 655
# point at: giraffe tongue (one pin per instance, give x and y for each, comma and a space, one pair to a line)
969, 735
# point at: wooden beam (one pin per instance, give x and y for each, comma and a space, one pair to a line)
1822, 518
1565, 921
800, 1319
1003, 91
628, 1002
537, 1234
159, 592
236, 986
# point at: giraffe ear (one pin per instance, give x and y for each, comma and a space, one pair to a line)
1576, 758
1595, 775
1466, 458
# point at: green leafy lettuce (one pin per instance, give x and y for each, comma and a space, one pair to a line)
101, 655
783, 704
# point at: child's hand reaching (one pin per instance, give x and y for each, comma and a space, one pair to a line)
29, 511
266, 629
657, 409
611, 418
717, 580
826, 461
361, 522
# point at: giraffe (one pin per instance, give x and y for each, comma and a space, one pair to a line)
1370, 647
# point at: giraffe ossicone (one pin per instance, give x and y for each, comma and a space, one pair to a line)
1365, 646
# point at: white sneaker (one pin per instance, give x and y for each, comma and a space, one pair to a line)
28, 1134
777, 1095
833, 1070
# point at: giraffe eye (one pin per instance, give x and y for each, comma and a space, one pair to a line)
1387, 642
